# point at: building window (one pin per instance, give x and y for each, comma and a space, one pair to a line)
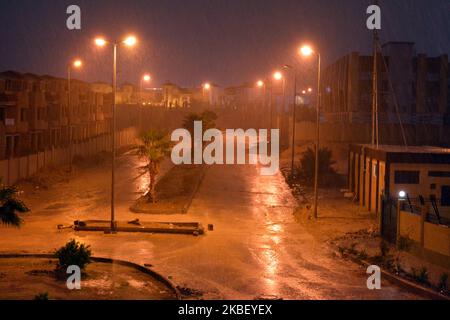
407, 177
23, 114
2, 114
433, 186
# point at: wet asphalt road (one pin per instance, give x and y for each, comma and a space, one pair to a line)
257, 248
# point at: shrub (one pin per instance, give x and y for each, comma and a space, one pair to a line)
362, 255
42, 296
421, 275
306, 171
404, 243
73, 253
443, 283
10, 206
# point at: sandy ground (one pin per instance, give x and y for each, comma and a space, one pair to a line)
22, 278
257, 246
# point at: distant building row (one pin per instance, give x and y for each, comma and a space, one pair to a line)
421, 85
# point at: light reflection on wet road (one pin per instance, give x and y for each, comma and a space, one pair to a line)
256, 248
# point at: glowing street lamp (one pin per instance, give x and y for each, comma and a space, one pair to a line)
145, 78
76, 64
100, 42
129, 41
260, 84
308, 51
206, 87
278, 75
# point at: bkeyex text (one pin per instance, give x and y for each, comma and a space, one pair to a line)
235, 309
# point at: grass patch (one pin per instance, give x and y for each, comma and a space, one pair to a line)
174, 191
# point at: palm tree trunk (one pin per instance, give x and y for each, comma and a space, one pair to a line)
151, 196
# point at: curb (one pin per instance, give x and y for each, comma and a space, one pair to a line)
129, 264
411, 286
194, 193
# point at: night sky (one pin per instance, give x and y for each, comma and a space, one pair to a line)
192, 41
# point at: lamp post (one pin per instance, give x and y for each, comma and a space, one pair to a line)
293, 118
277, 76
206, 87
146, 78
308, 51
100, 42
75, 64
262, 85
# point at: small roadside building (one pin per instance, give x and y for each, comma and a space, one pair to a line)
388, 170
409, 190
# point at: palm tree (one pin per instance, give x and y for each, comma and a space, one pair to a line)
155, 146
10, 205
208, 119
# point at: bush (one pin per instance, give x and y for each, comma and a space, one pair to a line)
10, 206
306, 171
443, 283
73, 253
42, 296
404, 243
421, 275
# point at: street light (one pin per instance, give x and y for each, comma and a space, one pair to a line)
278, 75
145, 78
307, 51
206, 87
101, 42
76, 64
130, 41
293, 118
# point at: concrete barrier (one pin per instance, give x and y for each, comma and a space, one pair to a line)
14, 169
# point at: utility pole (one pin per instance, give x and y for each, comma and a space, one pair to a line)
293, 124
113, 141
316, 168
70, 119
375, 133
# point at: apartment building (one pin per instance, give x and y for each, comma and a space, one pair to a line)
175, 96
413, 92
35, 114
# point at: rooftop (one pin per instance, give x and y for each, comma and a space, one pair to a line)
409, 149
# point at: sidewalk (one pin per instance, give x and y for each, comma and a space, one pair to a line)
353, 232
